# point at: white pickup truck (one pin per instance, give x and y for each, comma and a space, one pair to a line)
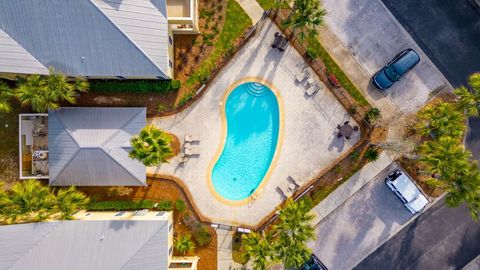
406, 190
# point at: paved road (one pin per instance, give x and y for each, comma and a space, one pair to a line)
449, 33
441, 238
359, 226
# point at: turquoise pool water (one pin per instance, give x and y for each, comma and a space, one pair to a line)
252, 115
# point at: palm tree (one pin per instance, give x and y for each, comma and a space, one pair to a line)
294, 231
469, 99
445, 157
371, 154
306, 16
5, 96
441, 119
28, 198
151, 146
45, 92
259, 248
70, 200
184, 244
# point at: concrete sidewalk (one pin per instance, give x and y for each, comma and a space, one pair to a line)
252, 8
349, 188
224, 250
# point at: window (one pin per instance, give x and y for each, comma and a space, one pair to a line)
170, 64
170, 227
170, 40
170, 250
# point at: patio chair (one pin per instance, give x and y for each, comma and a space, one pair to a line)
190, 151
311, 89
189, 138
286, 192
302, 75
296, 180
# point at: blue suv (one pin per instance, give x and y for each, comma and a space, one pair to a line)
392, 71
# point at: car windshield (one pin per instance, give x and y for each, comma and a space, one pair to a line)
391, 74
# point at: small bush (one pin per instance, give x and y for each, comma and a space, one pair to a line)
372, 115
355, 155
119, 205
371, 154
312, 53
165, 205
307, 200
199, 232
133, 86
180, 205
186, 98
353, 109
162, 108
202, 236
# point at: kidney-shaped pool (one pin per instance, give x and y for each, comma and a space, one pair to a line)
252, 119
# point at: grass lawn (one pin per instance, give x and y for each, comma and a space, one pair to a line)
236, 23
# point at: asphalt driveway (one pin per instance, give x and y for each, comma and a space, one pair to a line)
373, 36
450, 37
441, 238
359, 226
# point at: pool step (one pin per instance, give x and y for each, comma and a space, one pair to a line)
256, 89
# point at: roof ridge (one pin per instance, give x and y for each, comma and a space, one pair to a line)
121, 127
146, 242
38, 242
120, 164
128, 37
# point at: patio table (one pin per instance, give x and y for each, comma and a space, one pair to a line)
346, 130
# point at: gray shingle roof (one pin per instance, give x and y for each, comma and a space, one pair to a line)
89, 146
110, 244
79, 39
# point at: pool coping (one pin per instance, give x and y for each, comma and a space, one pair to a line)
259, 188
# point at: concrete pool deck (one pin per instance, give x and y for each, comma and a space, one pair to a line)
309, 142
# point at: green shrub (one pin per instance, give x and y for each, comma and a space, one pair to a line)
162, 108
202, 236
307, 200
119, 205
338, 168
372, 115
199, 232
133, 86
186, 98
371, 154
180, 205
312, 53
165, 205
355, 155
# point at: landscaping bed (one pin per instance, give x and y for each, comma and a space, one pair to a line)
159, 191
222, 24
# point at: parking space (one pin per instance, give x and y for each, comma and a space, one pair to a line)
373, 36
360, 225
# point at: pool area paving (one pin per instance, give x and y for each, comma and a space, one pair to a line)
308, 144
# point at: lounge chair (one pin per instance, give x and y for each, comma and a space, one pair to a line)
190, 151
286, 192
311, 89
302, 75
296, 180
190, 138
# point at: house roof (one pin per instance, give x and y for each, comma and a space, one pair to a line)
90, 146
95, 244
97, 38
15, 59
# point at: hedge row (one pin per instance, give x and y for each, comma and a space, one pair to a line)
134, 86
120, 205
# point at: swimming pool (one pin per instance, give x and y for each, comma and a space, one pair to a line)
252, 119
